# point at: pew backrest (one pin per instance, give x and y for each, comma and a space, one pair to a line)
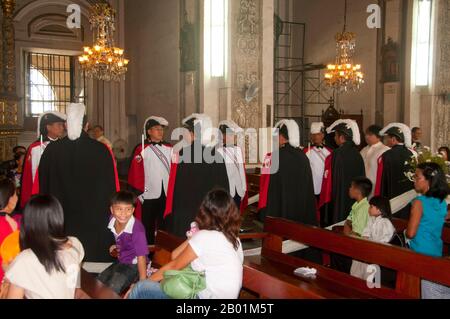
410, 266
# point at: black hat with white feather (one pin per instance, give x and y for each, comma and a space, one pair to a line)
348, 128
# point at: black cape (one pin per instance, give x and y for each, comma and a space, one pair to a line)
81, 175
347, 165
291, 189
393, 180
192, 183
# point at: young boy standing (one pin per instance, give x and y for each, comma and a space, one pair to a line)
131, 245
356, 222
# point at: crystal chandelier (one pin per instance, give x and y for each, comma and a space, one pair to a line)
344, 76
103, 61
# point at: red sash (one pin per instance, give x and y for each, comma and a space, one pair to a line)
379, 176
264, 182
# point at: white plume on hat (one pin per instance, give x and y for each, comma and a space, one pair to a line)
293, 131
351, 125
232, 125
162, 121
403, 128
58, 114
75, 115
206, 126
317, 127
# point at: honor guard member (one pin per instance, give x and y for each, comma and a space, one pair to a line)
392, 165
341, 167
317, 153
192, 175
149, 175
289, 191
50, 129
235, 163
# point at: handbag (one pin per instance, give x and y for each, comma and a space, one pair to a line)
183, 284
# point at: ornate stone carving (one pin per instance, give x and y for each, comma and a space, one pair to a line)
8, 96
246, 62
8, 46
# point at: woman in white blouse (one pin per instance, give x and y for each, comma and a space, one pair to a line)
49, 265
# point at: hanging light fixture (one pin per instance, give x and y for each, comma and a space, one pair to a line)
344, 75
103, 61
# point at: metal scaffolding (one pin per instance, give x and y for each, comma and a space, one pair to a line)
298, 85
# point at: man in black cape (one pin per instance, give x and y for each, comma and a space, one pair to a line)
193, 175
81, 174
287, 189
341, 167
391, 178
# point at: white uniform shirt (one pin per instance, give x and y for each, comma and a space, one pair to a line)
370, 155
157, 162
317, 157
234, 162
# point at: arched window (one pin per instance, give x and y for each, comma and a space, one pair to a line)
42, 96
52, 82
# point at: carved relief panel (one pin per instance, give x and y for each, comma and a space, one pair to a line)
246, 63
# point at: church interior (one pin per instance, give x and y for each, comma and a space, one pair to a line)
352, 69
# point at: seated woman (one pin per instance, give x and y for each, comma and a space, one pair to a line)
49, 265
427, 219
9, 222
215, 250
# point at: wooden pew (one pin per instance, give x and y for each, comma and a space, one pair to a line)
275, 265
165, 244
401, 225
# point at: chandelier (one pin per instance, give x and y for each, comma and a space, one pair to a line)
344, 75
103, 61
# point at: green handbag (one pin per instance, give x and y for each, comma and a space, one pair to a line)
183, 284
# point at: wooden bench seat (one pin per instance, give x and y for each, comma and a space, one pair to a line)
270, 280
333, 282
410, 267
